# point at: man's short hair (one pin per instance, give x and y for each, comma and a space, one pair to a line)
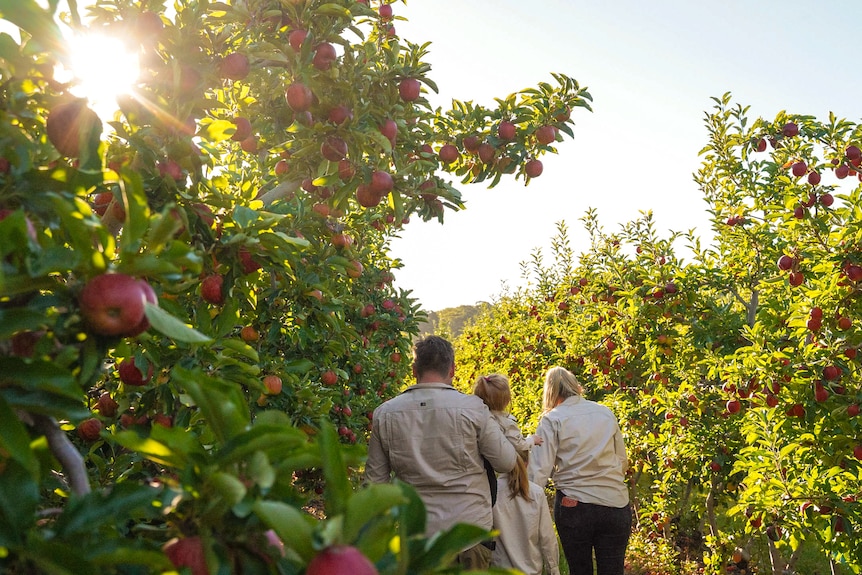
433, 353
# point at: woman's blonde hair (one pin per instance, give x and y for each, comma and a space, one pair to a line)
519, 483
494, 391
560, 383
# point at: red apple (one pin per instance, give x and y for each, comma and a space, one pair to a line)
249, 334
853, 410
106, 405
381, 182
333, 149
471, 143
130, 374
853, 153
820, 393
533, 168
346, 170
243, 129
761, 145
385, 11
70, 124
409, 89
299, 97
813, 178
826, 200
211, 289
249, 145
273, 384
367, 197
163, 419
799, 168
842, 172
389, 129
340, 114
324, 56
187, 552
149, 297
506, 130
831, 372
296, 38
329, 377
112, 304
795, 278
234, 66
790, 130
90, 429
546, 134
148, 25
733, 406
355, 269
448, 153
785, 262
486, 152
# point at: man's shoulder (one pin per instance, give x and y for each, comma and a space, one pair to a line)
445, 396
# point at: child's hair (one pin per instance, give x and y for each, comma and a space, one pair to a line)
494, 391
519, 484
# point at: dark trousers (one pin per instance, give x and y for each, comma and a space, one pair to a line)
587, 528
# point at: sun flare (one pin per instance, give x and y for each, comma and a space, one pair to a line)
101, 68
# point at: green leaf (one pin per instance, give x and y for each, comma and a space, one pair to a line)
337, 490
219, 130
137, 222
446, 546
292, 526
222, 404
228, 486
85, 514
164, 322
39, 375
368, 503
245, 217
150, 448
19, 498
15, 440
336, 10
29, 16
19, 319
298, 366
261, 438
260, 470
412, 514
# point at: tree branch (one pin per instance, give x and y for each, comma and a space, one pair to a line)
63, 450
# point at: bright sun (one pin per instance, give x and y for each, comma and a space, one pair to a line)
101, 68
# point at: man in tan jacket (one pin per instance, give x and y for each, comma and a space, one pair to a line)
434, 437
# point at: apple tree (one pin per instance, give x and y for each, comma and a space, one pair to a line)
732, 370
197, 314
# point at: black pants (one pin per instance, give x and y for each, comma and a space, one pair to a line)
588, 528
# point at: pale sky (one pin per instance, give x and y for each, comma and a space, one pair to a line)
651, 68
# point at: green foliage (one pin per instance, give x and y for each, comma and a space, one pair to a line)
735, 380
450, 322
259, 327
